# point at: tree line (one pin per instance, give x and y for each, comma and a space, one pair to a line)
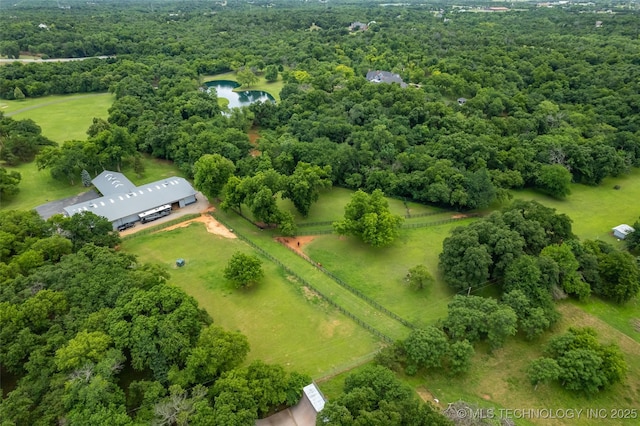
91, 335
541, 112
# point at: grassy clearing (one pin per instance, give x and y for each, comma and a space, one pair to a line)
38, 187
61, 117
342, 297
284, 323
499, 380
379, 272
624, 318
273, 88
330, 207
597, 209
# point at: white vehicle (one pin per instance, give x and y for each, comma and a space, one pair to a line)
157, 213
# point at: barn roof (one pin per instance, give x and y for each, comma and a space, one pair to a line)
109, 182
134, 200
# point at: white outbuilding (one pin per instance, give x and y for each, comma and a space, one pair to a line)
621, 231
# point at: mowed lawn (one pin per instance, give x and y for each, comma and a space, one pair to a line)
284, 324
38, 187
61, 117
380, 273
331, 203
596, 209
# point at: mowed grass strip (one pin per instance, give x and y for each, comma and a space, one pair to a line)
284, 322
331, 289
380, 272
61, 117
37, 187
596, 209
331, 203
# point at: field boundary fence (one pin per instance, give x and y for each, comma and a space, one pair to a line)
353, 290
161, 226
304, 282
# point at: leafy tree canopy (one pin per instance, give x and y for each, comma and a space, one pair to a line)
368, 217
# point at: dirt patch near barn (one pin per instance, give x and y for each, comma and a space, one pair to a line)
213, 226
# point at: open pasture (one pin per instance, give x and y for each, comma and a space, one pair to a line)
498, 381
61, 117
284, 322
330, 207
596, 209
380, 272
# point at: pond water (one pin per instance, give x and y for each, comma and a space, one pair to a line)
224, 89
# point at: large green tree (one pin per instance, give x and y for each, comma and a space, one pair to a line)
584, 364
87, 228
243, 270
374, 396
211, 172
427, 347
304, 185
9, 181
368, 217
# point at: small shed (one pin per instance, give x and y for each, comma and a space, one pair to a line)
621, 231
315, 397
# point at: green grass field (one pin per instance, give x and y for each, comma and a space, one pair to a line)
271, 88
331, 204
596, 209
379, 272
284, 324
498, 380
61, 117
38, 187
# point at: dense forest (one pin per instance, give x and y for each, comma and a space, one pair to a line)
534, 97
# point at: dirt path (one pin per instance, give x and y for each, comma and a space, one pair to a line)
213, 226
296, 243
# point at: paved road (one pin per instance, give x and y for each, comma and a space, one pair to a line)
8, 61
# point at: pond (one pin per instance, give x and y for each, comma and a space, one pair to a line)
224, 89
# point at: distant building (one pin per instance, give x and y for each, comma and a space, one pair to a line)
358, 26
621, 231
385, 77
123, 203
598, 24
